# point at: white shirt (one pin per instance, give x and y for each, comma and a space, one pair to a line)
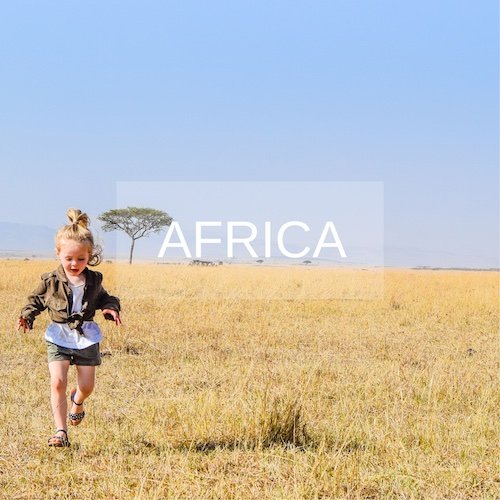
61, 334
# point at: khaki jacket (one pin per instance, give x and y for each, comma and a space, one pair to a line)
53, 293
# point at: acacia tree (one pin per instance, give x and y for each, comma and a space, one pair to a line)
136, 222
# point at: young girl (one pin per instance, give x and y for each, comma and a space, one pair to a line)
71, 293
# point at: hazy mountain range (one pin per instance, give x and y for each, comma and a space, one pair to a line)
20, 239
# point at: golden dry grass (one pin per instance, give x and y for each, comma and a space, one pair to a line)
206, 396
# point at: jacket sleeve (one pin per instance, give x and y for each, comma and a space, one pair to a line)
107, 301
36, 303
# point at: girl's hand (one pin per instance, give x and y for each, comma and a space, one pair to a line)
22, 323
114, 315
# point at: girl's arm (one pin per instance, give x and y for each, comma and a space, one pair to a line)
110, 306
36, 304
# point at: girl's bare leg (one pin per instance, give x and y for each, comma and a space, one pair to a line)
86, 381
58, 381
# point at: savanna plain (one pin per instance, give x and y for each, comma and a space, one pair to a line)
208, 392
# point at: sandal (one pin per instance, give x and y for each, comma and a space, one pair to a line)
75, 418
59, 441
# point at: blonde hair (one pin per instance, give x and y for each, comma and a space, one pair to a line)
77, 230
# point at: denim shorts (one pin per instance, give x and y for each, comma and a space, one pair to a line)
89, 356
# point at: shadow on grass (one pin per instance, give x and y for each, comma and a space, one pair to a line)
276, 422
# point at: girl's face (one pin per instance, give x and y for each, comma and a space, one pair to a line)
74, 256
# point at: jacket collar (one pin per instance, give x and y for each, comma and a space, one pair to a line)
61, 275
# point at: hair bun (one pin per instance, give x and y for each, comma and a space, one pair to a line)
78, 218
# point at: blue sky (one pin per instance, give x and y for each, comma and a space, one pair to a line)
406, 93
